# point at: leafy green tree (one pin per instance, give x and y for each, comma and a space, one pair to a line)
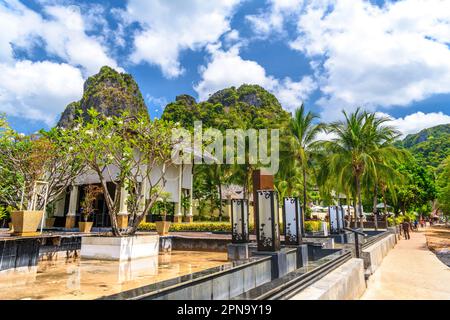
304, 134
362, 143
125, 150
443, 188
26, 159
417, 190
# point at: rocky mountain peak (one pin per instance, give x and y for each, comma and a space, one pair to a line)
110, 93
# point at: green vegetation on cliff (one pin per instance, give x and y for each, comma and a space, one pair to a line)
108, 92
249, 106
430, 146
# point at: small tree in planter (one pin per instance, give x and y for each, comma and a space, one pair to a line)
50, 210
26, 160
91, 192
131, 152
5, 214
162, 227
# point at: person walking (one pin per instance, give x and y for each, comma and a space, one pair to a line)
406, 226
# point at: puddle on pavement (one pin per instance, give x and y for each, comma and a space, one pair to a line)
89, 279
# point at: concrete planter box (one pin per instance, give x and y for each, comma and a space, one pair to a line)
85, 226
50, 222
119, 248
26, 223
162, 227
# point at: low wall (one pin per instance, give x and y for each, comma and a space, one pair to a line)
18, 252
344, 283
374, 255
219, 284
198, 244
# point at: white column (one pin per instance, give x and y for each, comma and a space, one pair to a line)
191, 194
178, 208
123, 210
73, 201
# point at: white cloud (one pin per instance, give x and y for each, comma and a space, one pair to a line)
38, 90
376, 56
227, 68
65, 37
415, 122
273, 19
170, 27
62, 32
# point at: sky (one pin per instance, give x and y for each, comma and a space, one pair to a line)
392, 57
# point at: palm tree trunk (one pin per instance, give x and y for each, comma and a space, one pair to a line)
348, 210
374, 211
355, 213
383, 191
304, 195
220, 201
358, 193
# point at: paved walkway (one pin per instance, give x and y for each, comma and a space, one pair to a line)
410, 271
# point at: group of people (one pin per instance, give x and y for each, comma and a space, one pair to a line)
407, 226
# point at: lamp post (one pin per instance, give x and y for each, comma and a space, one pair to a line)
292, 221
239, 220
267, 224
333, 219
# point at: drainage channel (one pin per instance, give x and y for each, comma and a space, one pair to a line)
289, 285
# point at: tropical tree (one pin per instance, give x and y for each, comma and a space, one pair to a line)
362, 143
417, 191
132, 153
443, 185
28, 159
304, 132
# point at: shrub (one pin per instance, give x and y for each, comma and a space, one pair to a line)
195, 226
313, 225
214, 226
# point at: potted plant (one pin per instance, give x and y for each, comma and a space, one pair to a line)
5, 215
162, 227
36, 170
50, 220
91, 193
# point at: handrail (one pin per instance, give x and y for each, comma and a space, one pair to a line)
356, 231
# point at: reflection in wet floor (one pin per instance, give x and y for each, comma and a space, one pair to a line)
89, 279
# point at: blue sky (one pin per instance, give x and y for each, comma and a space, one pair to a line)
387, 56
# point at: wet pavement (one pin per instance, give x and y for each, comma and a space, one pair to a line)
89, 279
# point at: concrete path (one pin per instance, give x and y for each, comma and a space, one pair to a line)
410, 271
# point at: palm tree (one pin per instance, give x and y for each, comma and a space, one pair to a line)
304, 133
361, 149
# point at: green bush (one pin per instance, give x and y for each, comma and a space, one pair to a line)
214, 226
313, 225
5, 212
194, 226
208, 218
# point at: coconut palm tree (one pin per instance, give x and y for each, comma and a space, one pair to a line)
362, 148
304, 133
